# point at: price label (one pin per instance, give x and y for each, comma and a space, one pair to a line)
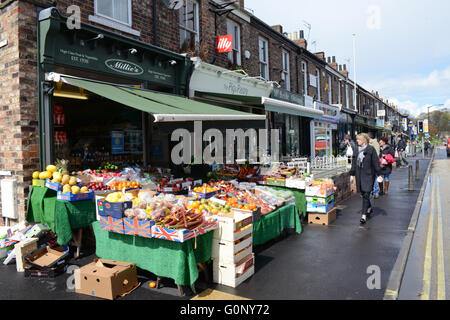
221, 202
197, 182
185, 185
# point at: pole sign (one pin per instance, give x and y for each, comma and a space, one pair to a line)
224, 44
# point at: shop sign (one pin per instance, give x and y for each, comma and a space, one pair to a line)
381, 113
313, 81
284, 95
224, 44
330, 113
124, 67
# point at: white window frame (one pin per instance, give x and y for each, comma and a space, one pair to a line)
285, 72
262, 62
232, 27
318, 84
130, 13
196, 22
330, 90
305, 78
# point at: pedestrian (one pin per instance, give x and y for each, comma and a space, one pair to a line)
386, 161
365, 168
348, 147
374, 143
401, 147
427, 147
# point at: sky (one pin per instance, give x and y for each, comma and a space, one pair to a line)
402, 47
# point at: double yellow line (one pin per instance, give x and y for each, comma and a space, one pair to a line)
435, 210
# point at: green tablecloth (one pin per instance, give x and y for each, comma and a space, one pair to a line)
300, 198
271, 225
60, 216
164, 258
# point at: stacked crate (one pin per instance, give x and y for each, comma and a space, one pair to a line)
321, 209
232, 250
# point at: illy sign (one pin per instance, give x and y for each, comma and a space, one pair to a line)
224, 44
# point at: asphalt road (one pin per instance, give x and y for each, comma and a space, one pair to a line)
427, 272
341, 261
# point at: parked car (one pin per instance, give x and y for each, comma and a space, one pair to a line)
448, 147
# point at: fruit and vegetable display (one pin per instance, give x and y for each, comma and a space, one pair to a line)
120, 185
320, 188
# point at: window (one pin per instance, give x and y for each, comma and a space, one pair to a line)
117, 10
346, 96
285, 74
189, 25
318, 84
263, 59
235, 30
305, 78
339, 91
330, 93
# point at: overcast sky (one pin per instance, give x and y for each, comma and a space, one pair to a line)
402, 47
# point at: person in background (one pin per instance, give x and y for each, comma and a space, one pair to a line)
401, 147
365, 167
374, 143
348, 147
427, 147
386, 163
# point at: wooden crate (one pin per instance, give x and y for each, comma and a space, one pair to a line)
232, 251
233, 275
324, 219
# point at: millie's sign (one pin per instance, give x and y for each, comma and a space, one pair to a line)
124, 67
224, 44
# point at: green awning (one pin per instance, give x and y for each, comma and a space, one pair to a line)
164, 107
270, 104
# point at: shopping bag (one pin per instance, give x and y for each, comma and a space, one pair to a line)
396, 154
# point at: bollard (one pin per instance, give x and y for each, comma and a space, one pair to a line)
410, 177
417, 170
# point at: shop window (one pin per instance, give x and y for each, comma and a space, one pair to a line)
116, 10
292, 136
285, 73
189, 25
263, 58
235, 30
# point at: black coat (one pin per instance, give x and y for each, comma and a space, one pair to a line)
387, 169
368, 172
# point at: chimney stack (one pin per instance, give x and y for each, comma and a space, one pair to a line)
301, 42
320, 55
278, 28
344, 71
333, 63
241, 4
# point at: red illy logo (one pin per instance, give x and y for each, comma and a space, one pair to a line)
224, 44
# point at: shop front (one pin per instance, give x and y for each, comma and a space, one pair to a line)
284, 110
345, 125
104, 98
324, 131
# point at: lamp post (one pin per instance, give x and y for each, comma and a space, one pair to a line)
354, 68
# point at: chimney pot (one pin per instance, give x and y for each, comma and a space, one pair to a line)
302, 34
334, 59
295, 35
345, 67
329, 60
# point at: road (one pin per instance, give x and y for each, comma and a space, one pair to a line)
427, 272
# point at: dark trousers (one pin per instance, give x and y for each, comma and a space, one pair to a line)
365, 202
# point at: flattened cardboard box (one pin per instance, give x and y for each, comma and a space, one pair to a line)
107, 279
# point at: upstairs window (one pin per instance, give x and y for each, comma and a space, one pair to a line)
318, 84
189, 25
330, 93
263, 58
116, 10
235, 30
285, 73
305, 78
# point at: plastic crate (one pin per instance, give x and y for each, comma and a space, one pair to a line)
69, 196
320, 200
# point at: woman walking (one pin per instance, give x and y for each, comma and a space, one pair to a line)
365, 167
386, 161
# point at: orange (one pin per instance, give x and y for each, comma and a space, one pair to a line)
152, 284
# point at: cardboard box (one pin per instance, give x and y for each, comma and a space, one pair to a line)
113, 209
54, 186
182, 235
233, 226
107, 279
320, 200
112, 224
135, 227
314, 191
255, 213
319, 208
38, 183
47, 273
69, 196
233, 275
322, 219
276, 182
23, 249
46, 258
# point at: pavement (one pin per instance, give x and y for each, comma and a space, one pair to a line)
427, 271
344, 261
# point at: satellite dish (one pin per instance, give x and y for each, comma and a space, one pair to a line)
173, 4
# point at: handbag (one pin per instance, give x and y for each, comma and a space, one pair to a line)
396, 154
